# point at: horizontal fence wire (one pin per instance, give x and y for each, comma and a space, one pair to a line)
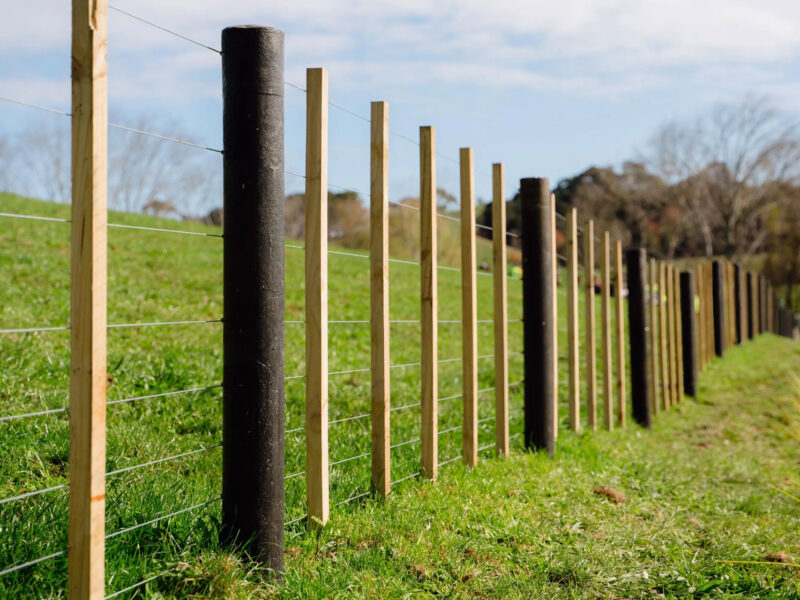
163, 460
31, 563
162, 28
111, 473
112, 125
138, 584
165, 394
406, 478
32, 494
162, 518
352, 458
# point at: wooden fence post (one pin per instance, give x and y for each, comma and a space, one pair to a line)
663, 334
619, 299
653, 334
87, 388
554, 270
537, 303
469, 312
701, 317
379, 298
737, 302
710, 343
591, 339
750, 301
253, 404
608, 401
636, 260
500, 309
673, 340
673, 334
317, 484
572, 320
718, 299
688, 326
670, 336
430, 304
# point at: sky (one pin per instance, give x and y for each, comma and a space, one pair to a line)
547, 88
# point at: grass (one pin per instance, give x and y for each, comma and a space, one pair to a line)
525, 527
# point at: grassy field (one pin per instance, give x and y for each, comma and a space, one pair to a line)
697, 486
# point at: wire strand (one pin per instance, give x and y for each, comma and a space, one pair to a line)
162, 518
30, 563
136, 585
164, 29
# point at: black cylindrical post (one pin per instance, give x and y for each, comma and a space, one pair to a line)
719, 307
253, 286
537, 309
636, 261
689, 330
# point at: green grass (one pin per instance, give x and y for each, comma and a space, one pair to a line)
520, 528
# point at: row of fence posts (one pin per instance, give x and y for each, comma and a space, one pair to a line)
720, 304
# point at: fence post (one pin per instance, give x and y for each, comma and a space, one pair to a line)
572, 320
537, 293
750, 300
663, 354
500, 309
688, 334
253, 286
622, 407
87, 386
737, 301
653, 334
591, 338
430, 303
608, 401
469, 312
671, 366
554, 270
317, 483
636, 260
731, 306
701, 317
379, 298
678, 334
719, 309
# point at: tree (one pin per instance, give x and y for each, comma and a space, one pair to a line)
142, 170
722, 168
782, 264
627, 204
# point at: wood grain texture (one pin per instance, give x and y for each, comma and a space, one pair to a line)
671, 343
701, 317
663, 335
87, 449
573, 350
500, 283
316, 257
554, 255
619, 321
591, 338
469, 311
653, 334
430, 304
608, 384
379, 297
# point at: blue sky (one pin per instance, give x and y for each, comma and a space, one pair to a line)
548, 88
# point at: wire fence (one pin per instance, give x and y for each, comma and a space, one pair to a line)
163, 468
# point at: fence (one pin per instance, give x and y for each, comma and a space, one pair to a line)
679, 317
